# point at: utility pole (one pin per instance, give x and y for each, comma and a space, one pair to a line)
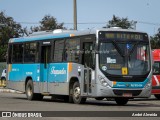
75, 14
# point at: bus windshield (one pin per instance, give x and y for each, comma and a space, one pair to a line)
133, 56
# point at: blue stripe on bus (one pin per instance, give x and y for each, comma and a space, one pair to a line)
55, 72
20, 71
47, 37
130, 84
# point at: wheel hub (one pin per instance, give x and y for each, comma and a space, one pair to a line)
77, 92
29, 91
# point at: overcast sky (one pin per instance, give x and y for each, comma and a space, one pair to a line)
30, 12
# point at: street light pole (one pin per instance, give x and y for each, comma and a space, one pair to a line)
75, 14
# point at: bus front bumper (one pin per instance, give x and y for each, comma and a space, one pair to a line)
131, 93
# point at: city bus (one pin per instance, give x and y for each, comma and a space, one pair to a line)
156, 73
76, 65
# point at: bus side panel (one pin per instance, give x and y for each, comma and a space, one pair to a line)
15, 79
19, 86
57, 78
60, 75
76, 71
17, 74
33, 71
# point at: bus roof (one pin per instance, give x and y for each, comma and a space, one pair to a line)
59, 33
156, 54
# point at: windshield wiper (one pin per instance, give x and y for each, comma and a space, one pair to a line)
117, 47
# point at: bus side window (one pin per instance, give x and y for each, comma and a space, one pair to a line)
58, 50
72, 48
30, 52
17, 53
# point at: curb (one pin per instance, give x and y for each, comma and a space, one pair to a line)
5, 90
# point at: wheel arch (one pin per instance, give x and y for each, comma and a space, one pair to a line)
72, 81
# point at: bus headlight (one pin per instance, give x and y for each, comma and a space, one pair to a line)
103, 81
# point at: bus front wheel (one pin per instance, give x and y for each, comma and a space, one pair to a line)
30, 92
121, 101
77, 98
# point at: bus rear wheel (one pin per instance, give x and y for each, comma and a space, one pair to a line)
157, 96
30, 92
121, 101
77, 98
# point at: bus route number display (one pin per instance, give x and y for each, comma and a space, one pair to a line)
128, 36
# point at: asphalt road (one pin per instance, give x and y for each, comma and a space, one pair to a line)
18, 102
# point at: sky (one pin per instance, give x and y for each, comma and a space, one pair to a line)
97, 12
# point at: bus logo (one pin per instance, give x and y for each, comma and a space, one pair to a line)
58, 72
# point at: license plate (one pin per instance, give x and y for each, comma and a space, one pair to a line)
127, 95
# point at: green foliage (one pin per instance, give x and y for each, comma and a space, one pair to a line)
155, 41
121, 22
48, 23
8, 29
3, 50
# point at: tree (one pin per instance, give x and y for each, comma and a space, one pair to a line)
48, 23
35, 29
121, 22
8, 29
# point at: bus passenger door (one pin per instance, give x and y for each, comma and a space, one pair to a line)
45, 59
88, 60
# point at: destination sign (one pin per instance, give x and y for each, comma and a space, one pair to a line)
122, 35
128, 36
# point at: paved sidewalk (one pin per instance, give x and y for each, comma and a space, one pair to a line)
6, 90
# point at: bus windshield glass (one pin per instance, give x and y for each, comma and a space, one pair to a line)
124, 56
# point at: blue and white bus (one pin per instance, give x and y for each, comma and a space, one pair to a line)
76, 65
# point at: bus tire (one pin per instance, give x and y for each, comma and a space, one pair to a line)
30, 92
70, 98
77, 98
157, 96
121, 101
